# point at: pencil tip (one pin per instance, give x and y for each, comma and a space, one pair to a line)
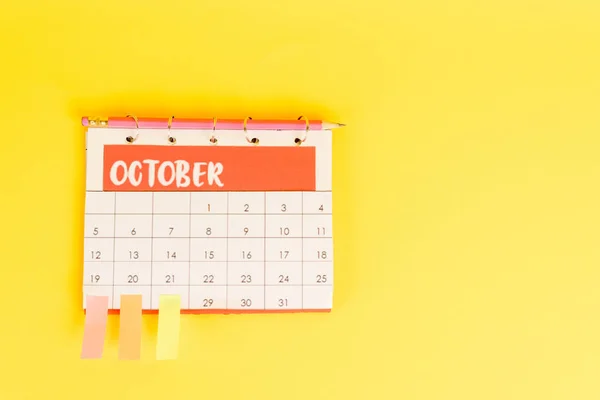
332, 125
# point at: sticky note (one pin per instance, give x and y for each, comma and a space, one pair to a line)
130, 328
95, 326
167, 341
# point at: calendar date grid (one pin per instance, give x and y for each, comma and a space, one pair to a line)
218, 250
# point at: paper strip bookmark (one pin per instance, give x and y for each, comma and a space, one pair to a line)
130, 328
95, 326
167, 341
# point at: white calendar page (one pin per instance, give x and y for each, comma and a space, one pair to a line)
231, 227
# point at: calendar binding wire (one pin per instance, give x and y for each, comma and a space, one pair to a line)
103, 122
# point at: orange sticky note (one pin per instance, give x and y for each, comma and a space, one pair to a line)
130, 328
95, 326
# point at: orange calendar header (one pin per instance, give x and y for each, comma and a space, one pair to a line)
208, 168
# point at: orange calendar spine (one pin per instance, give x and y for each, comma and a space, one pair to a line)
113, 311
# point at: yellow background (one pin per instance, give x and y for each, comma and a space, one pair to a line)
467, 208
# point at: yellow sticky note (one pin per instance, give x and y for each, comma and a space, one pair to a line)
167, 341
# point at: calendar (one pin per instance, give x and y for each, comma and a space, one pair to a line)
230, 221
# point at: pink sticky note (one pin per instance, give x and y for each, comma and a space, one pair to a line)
95, 326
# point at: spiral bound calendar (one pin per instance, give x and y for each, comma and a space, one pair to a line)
231, 218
